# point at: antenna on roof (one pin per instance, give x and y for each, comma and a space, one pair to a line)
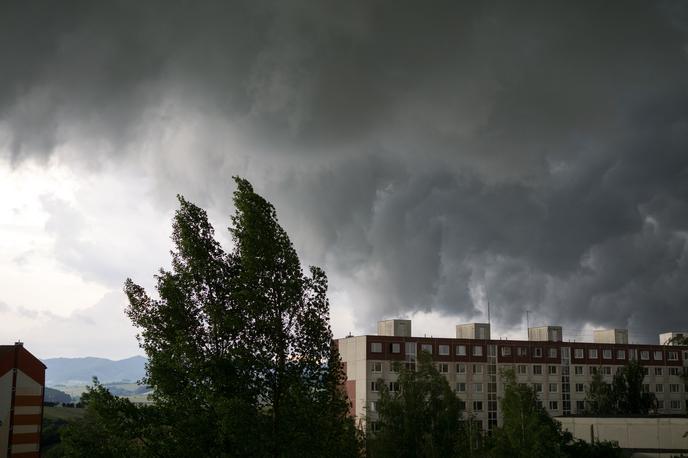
488, 312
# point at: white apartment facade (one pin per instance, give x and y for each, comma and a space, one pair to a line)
559, 371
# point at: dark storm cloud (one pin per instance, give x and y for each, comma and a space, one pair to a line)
539, 152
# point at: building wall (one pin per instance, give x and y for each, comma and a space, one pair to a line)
22, 378
559, 370
645, 436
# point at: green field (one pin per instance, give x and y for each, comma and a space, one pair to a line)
62, 413
127, 390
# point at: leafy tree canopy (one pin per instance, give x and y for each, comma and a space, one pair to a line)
240, 353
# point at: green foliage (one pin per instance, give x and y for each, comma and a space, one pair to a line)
624, 396
421, 419
240, 354
529, 431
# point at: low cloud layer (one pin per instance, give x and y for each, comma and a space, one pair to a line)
430, 158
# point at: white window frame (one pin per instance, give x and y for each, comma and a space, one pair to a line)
658, 355
443, 350
607, 353
376, 347
427, 348
592, 353
645, 355
460, 350
579, 353
477, 350
620, 354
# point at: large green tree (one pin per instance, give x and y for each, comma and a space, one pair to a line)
529, 432
624, 396
240, 354
422, 417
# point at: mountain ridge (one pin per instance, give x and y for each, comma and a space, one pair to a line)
78, 371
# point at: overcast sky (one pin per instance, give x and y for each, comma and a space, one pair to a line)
430, 156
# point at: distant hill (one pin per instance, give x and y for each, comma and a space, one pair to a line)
53, 395
80, 371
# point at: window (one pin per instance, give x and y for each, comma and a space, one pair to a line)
522, 351
374, 387
376, 347
553, 388
552, 352
606, 370
660, 404
522, 369
537, 369
632, 354
580, 388
579, 353
460, 368
593, 370
478, 406
410, 366
672, 356
674, 388
658, 356
410, 348
646, 370
427, 348
477, 368
376, 367
620, 354
373, 406
393, 387
478, 387
578, 370
443, 350
396, 348
659, 388
674, 371
461, 387
394, 366
552, 370
592, 353
537, 387
580, 406
477, 350
658, 371
646, 387
675, 404
606, 354
506, 351
460, 350
537, 352
553, 405
644, 355
443, 368
374, 426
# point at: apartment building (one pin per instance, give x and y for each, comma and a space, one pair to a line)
558, 371
22, 379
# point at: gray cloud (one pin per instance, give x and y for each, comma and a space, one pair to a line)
538, 152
